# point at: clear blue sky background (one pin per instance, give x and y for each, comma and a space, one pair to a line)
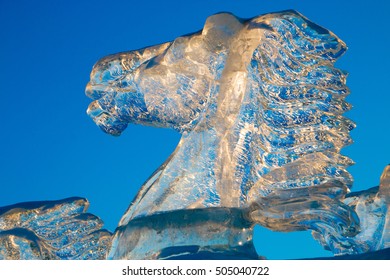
50, 149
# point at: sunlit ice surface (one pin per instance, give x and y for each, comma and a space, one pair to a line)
260, 107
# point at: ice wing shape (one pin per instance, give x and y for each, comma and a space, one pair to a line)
52, 230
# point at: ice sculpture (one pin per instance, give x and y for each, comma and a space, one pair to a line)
259, 104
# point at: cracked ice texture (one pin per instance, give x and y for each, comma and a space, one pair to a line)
260, 107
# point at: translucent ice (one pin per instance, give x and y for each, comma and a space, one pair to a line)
260, 107
52, 230
259, 103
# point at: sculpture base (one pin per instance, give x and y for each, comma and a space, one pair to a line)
376, 255
212, 233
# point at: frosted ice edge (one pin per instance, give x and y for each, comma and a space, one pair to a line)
52, 230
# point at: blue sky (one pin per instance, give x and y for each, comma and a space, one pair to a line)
50, 149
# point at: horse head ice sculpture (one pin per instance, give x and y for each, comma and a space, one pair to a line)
259, 104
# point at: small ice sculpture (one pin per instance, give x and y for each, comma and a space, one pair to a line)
259, 104
52, 230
